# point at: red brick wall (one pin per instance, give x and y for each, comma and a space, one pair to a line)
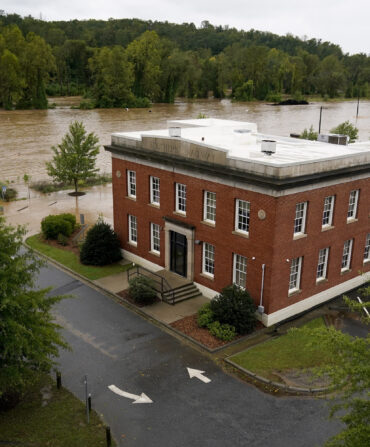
270, 240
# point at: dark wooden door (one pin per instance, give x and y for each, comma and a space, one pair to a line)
179, 249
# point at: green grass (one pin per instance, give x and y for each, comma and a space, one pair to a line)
283, 353
70, 260
59, 423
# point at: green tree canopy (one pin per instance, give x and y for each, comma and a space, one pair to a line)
29, 338
75, 157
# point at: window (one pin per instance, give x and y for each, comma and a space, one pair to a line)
180, 198
240, 271
132, 229
131, 184
242, 215
300, 218
367, 249
208, 259
346, 258
209, 212
352, 205
295, 274
327, 215
322, 264
154, 190
155, 237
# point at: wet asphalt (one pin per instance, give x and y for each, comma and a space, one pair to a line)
114, 346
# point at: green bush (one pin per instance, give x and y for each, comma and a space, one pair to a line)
10, 194
234, 306
71, 218
205, 315
53, 225
101, 246
62, 240
224, 332
142, 290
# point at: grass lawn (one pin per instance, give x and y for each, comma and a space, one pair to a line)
284, 353
60, 422
71, 261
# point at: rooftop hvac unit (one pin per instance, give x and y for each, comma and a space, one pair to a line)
333, 138
268, 147
174, 132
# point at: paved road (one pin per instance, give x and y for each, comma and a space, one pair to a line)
115, 346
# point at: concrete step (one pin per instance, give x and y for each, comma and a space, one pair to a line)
181, 293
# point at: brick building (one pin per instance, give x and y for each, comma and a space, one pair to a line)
216, 202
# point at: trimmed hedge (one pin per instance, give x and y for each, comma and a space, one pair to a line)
54, 225
142, 290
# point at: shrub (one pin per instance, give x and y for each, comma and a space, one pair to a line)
101, 246
142, 290
62, 240
224, 332
53, 225
348, 129
309, 134
205, 315
10, 194
69, 218
234, 306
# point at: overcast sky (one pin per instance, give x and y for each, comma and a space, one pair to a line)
344, 22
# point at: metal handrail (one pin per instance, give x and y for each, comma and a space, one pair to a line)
163, 285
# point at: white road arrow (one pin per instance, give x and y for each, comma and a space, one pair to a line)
142, 399
198, 374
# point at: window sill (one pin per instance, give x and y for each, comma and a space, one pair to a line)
345, 271
131, 198
299, 236
180, 213
241, 233
294, 292
321, 281
208, 276
367, 261
327, 227
155, 253
351, 220
133, 244
155, 205
208, 223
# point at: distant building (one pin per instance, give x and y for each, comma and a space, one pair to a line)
218, 203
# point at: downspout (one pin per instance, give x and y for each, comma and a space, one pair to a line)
261, 308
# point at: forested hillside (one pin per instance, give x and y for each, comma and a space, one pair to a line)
131, 62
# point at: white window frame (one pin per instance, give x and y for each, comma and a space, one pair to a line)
209, 207
352, 204
181, 198
155, 238
155, 192
239, 216
131, 184
347, 255
238, 271
300, 215
208, 262
367, 249
132, 229
295, 270
327, 214
322, 264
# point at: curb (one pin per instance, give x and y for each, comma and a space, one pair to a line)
280, 386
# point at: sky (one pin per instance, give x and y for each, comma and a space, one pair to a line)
343, 22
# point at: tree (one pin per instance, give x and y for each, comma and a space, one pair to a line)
350, 375
11, 82
75, 157
348, 129
29, 339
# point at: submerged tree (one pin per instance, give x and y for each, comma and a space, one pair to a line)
29, 338
75, 157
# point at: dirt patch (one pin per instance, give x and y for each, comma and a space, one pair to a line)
303, 378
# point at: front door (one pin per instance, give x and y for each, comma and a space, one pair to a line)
179, 250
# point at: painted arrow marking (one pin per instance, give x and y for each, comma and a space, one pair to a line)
198, 374
142, 399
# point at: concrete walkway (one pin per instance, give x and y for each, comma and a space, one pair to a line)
161, 311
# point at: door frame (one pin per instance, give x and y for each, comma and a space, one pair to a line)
189, 234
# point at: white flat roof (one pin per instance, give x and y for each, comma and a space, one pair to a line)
241, 141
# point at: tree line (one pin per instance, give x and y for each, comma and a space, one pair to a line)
131, 62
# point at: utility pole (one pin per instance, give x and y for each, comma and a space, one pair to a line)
320, 120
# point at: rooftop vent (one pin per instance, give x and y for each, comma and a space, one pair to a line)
174, 132
333, 138
268, 147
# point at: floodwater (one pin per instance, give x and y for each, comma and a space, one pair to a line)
26, 137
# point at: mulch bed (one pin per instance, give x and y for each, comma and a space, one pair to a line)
189, 326
125, 295
69, 247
